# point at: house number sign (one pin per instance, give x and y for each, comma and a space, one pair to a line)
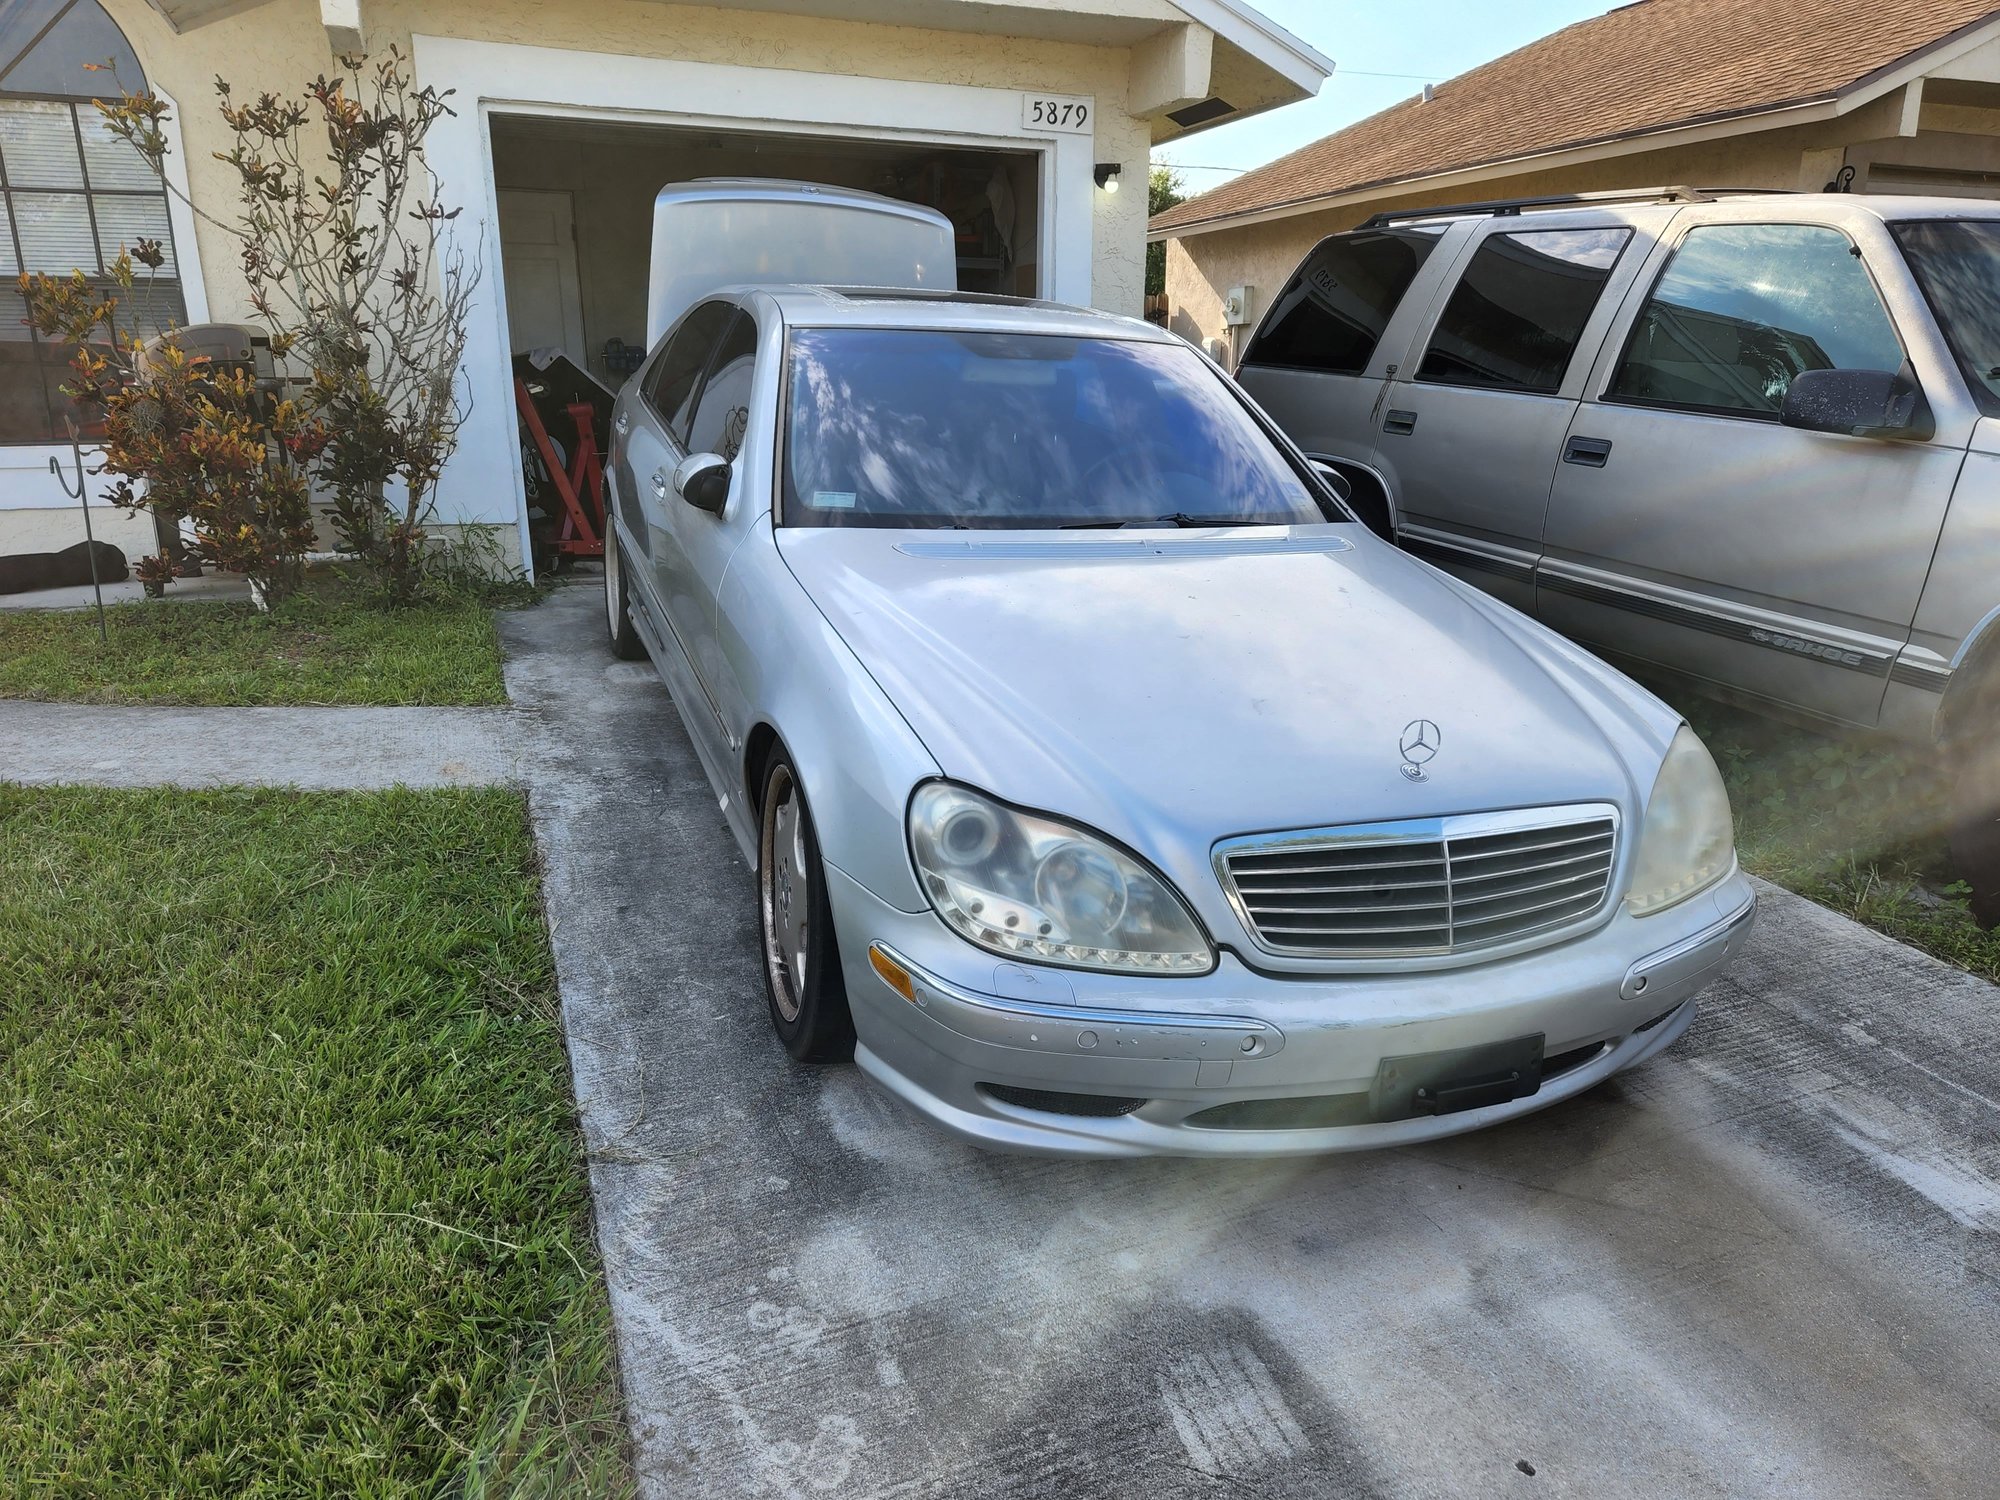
1055, 112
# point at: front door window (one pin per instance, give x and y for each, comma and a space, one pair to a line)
1742, 308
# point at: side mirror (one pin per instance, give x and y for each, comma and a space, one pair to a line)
1859, 403
702, 479
1333, 479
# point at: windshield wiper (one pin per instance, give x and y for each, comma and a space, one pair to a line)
1176, 518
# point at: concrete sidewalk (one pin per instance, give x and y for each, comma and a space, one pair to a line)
1762, 1265
48, 743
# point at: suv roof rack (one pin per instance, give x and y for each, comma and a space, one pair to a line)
1502, 207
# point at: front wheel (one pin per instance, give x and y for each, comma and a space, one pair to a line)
802, 979
625, 642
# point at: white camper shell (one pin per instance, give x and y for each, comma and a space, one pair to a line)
737, 231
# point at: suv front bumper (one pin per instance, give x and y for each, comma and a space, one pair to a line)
1167, 1049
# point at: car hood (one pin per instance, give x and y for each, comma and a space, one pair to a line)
1175, 688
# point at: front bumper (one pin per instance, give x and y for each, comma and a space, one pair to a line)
1167, 1050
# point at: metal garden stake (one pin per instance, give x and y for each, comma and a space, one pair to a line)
81, 494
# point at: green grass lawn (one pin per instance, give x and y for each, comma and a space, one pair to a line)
1857, 825
292, 1198
326, 645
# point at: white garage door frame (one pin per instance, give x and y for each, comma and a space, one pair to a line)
496, 78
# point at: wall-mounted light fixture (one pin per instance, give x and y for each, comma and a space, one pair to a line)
1107, 175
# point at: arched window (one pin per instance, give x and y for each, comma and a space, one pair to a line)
72, 195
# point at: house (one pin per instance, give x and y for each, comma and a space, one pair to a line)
568, 119
1897, 96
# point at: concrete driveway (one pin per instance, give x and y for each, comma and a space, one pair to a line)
1763, 1264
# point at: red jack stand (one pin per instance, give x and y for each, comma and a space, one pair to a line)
580, 486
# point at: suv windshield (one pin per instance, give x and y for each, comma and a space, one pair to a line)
935, 428
1957, 263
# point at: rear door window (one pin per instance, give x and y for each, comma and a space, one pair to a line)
1331, 314
1742, 308
676, 375
1515, 316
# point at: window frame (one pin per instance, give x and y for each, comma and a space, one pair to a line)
49, 358
1419, 354
1605, 394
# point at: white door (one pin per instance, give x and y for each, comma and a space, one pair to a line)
538, 259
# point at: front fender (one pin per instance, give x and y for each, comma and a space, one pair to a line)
791, 674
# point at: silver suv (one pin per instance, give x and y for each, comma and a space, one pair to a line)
1749, 439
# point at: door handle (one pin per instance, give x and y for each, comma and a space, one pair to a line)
1400, 423
624, 423
1592, 453
660, 483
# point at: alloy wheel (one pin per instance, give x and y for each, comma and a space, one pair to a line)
785, 886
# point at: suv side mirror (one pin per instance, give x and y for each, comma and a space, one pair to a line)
1859, 403
702, 479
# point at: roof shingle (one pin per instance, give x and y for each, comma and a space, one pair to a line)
1645, 66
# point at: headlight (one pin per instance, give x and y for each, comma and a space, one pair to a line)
1687, 842
1031, 887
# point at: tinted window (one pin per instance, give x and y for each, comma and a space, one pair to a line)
1742, 308
723, 411
921, 427
1515, 316
1957, 263
1331, 314
671, 387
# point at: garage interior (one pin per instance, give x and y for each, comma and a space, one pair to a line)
576, 215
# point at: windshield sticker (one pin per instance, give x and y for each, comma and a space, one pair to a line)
833, 499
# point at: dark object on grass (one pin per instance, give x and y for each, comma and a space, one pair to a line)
69, 568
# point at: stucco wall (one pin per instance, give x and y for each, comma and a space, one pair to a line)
1200, 268
282, 46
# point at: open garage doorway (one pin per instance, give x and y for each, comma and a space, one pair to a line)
575, 201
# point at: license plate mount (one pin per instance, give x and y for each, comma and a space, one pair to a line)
1444, 1083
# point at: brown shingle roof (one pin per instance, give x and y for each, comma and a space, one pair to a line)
1643, 67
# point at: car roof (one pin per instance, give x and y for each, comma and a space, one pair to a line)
901, 307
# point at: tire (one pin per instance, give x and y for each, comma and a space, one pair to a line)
802, 978
625, 642
1972, 765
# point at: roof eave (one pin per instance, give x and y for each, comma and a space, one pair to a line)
1868, 87
1249, 30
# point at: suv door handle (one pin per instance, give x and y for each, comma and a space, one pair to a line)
660, 483
1591, 452
1401, 423
624, 423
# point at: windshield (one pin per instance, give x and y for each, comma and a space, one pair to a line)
930, 428
1957, 263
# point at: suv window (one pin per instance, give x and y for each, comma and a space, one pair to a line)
1514, 318
1331, 314
1742, 308
1957, 263
670, 388
723, 410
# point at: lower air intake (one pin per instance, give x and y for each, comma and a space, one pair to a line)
1050, 1102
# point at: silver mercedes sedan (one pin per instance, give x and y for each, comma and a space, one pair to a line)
1110, 789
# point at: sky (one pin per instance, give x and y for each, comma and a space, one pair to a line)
1428, 40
